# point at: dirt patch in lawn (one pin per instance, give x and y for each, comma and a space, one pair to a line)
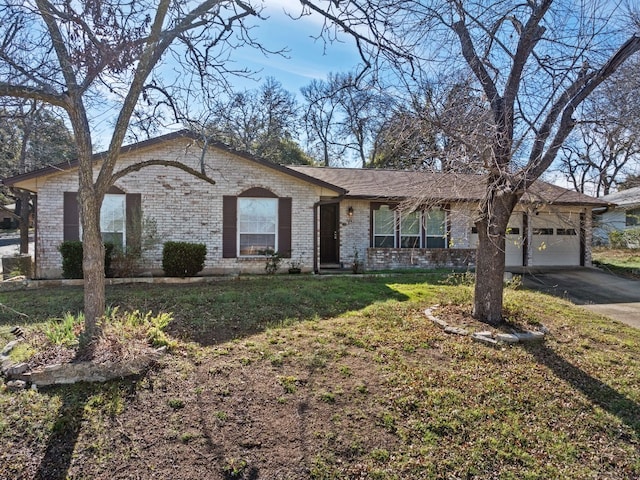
383, 395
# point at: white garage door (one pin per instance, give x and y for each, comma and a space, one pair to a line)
555, 239
514, 242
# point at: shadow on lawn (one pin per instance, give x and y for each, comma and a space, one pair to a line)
217, 314
596, 391
57, 458
79, 402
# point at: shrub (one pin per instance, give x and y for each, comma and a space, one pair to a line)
616, 239
71, 252
183, 259
629, 238
273, 260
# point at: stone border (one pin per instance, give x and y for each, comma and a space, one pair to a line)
17, 376
487, 337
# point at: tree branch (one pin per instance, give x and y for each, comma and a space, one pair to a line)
21, 91
576, 94
164, 163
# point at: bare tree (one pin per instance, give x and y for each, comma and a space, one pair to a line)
441, 126
79, 56
32, 136
605, 145
261, 122
535, 63
322, 119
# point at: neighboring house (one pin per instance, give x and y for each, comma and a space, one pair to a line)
623, 214
325, 217
7, 221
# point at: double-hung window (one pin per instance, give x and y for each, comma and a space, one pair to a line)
113, 220
410, 230
384, 227
436, 231
632, 217
257, 225
419, 229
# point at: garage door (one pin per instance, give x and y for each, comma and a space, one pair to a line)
555, 239
514, 242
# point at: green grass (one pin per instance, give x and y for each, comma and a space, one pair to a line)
623, 261
371, 388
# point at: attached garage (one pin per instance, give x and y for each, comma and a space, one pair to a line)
556, 239
515, 241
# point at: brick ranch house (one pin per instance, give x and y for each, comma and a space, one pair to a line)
323, 217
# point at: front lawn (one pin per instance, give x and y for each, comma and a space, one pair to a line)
341, 377
624, 261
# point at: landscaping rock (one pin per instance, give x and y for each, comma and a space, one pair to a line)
486, 340
16, 385
16, 369
456, 331
440, 323
8, 347
507, 338
530, 336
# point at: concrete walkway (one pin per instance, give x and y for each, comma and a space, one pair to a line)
604, 293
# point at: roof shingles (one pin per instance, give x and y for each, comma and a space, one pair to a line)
402, 184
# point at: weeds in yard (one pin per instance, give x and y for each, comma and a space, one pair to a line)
176, 403
234, 468
374, 389
328, 397
64, 331
288, 383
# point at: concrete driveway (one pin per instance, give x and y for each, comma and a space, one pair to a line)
611, 295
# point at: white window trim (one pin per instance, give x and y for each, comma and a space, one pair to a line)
239, 233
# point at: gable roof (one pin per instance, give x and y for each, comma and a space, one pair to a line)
446, 187
624, 198
172, 137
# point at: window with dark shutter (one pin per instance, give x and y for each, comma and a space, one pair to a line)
70, 217
229, 219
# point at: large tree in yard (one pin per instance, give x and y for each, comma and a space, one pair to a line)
535, 61
97, 59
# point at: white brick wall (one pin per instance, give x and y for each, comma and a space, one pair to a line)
189, 209
185, 207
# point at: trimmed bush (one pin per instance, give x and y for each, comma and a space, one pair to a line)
71, 252
183, 259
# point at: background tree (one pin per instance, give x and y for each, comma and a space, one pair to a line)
438, 126
534, 67
631, 181
322, 119
31, 136
605, 146
261, 122
76, 55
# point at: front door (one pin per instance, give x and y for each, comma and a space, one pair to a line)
329, 233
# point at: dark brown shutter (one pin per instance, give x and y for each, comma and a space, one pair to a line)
70, 217
229, 229
284, 227
133, 202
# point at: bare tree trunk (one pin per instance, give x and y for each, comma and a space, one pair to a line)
495, 212
92, 262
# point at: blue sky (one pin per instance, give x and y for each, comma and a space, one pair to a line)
309, 58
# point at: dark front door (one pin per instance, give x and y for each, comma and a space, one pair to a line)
329, 233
